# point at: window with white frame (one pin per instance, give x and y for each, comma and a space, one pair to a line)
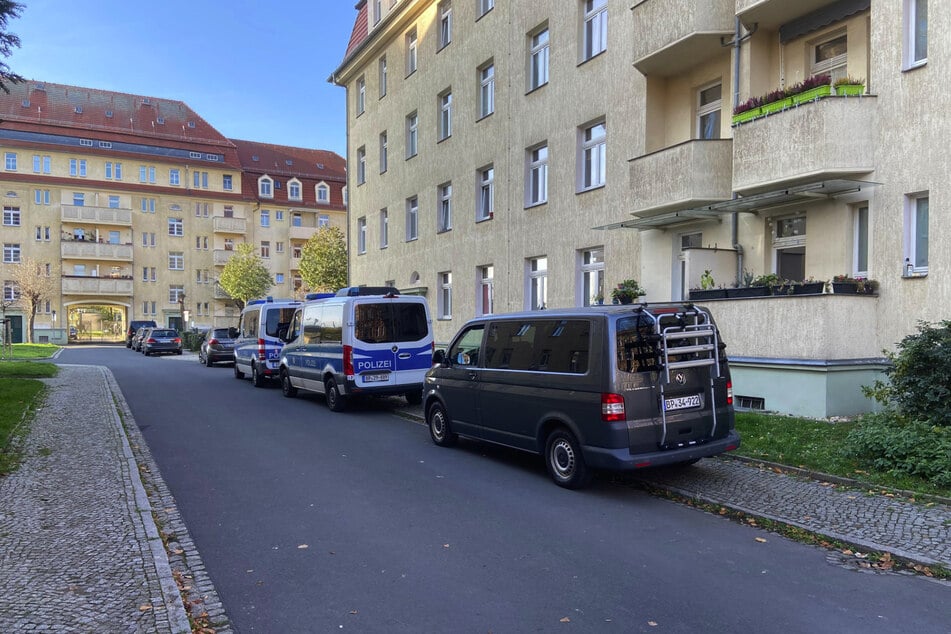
11, 292
383, 152
789, 247
11, 252
860, 241
11, 216
361, 165
176, 261
279, 278
77, 167
411, 52
486, 89
593, 156
79, 199
536, 189
174, 176
916, 33
148, 205
294, 189
595, 27
176, 227
265, 217
485, 205
227, 182
412, 218
265, 187
445, 115
323, 193
265, 248
362, 235
592, 276
486, 305
41, 164
444, 217
377, 11
537, 278
175, 292
485, 6
382, 71
709, 103
10, 163
412, 134
41, 196
384, 228
539, 55
830, 56
323, 220
361, 99
279, 247
916, 233
445, 295
445, 23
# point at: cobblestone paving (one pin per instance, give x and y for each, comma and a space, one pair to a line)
78, 549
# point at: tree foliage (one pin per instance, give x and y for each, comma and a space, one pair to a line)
323, 264
245, 277
34, 286
8, 42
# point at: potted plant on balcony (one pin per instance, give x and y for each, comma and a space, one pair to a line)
848, 285
754, 286
627, 291
707, 288
809, 89
849, 87
808, 286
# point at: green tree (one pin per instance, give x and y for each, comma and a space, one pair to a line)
8, 41
245, 277
34, 286
323, 263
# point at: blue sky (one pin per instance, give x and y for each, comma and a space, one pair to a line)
254, 69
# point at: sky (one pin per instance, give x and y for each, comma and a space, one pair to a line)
254, 69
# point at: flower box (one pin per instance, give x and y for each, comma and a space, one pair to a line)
747, 291
850, 90
845, 288
748, 115
813, 94
777, 106
808, 288
699, 294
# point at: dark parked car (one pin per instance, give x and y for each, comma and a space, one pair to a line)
217, 346
138, 336
161, 341
134, 328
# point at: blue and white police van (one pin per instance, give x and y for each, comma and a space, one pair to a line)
261, 329
358, 343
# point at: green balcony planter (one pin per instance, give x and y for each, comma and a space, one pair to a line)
850, 90
812, 95
777, 106
747, 115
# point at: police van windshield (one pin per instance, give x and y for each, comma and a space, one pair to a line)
390, 322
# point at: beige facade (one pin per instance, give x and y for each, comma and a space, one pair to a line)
832, 186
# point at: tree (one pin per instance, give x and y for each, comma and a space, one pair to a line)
245, 277
35, 286
323, 263
8, 41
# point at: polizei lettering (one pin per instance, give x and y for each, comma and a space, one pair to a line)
374, 365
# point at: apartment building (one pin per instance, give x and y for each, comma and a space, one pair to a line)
134, 203
524, 155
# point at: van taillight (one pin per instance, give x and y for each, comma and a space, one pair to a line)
262, 354
348, 361
729, 392
612, 408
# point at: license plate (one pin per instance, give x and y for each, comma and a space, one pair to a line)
682, 402
375, 378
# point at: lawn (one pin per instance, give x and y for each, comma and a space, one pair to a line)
32, 351
19, 394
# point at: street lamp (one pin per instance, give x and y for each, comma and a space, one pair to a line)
181, 302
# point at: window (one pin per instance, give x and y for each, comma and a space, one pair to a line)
592, 276
176, 261
593, 156
279, 278
265, 187
485, 208
11, 292
383, 149
595, 27
297, 220
412, 218
537, 295
361, 165
113, 237
361, 95
916, 33
229, 211
175, 293
382, 76
830, 56
362, 235
11, 253
41, 196
445, 295
113, 202
41, 164
789, 247
200, 179
174, 176
445, 115
537, 190
175, 227
916, 234
323, 220
323, 193
79, 199
148, 205
485, 6
11, 216
265, 217
77, 167
444, 216
412, 134
445, 23
708, 112
539, 59
265, 249
411, 52
226, 182
487, 90
294, 190
377, 11
384, 228
11, 162
860, 256
486, 294
147, 174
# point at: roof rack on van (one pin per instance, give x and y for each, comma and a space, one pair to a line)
310, 296
355, 291
267, 300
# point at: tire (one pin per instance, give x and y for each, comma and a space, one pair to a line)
145, 352
439, 430
208, 362
256, 377
287, 389
335, 402
180, 352
564, 460
415, 397
238, 374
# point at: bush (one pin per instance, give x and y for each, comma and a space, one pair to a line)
191, 340
887, 442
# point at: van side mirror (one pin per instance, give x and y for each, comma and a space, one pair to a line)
439, 357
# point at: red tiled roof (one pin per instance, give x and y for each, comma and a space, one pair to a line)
283, 160
360, 29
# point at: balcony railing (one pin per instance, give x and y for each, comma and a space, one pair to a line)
301, 233
97, 215
833, 137
222, 256
77, 285
686, 175
220, 293
671, 35
230, 225
77, 249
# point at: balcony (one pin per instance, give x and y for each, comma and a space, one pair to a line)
100, 286
683, 176
294, 263
672, 35
97, 215
231, 225
79, 250
222, 256
771, 14
301, 233
220, 293
826, 139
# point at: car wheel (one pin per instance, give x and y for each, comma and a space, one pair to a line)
256, 377
208, 362
335, 402
145, 352
179, 352
439, 429
415, 397
564, 460
238, 374
286, 388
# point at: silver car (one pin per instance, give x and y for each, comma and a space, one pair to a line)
161, 341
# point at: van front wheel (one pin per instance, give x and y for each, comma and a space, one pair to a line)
335, 402
286, 388
564, 460
439, 429
238, 374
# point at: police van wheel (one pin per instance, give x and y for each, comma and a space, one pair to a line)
335, 402
238, 374
564, 460
286, 388
439, 429
256, 377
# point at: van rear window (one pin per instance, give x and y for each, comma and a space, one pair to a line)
637, 349
278, 319
541, 345
390, 322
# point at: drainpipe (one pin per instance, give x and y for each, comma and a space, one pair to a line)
735, 219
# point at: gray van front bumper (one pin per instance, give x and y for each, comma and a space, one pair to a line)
624, 460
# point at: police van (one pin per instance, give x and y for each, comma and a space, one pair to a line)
257, 346
357, 343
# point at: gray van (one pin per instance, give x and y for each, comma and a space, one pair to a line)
602, 387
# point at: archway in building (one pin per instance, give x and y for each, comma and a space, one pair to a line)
96, 323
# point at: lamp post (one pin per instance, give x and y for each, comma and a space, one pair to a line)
181, 302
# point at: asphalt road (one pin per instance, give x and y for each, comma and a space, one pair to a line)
310, 521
